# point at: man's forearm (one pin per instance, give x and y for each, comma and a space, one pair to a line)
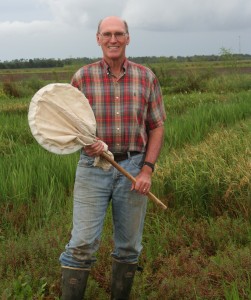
154, 145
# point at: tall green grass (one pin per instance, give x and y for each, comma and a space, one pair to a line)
200, 248
36, 185
193, 118
211, 177
204, 80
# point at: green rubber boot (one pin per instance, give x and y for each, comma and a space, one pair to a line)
74, 283
122, 280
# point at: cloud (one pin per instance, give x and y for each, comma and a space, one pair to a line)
157, 15
188, 15
68, 28
63, 28
79, 12
18, 27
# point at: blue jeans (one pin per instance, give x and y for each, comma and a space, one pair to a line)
93, 190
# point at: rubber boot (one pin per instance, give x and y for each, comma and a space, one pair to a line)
74, 283
122, 280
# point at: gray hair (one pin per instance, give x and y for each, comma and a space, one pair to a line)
125, 24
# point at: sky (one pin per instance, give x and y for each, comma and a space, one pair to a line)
66, 28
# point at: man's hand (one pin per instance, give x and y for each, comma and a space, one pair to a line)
95, 149
143, 181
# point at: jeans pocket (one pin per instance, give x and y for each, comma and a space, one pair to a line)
137, 161
85, 161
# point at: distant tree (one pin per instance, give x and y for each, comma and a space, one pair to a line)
226, 54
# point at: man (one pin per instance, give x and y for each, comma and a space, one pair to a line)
127, 104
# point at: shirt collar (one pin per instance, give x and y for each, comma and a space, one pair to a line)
106, 67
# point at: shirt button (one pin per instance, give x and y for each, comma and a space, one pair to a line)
117, 112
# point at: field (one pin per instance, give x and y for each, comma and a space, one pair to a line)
199, 248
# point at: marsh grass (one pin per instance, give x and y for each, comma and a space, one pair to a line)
229, 83
204, 80
33, 191
190, 122
18, 89
212, 176
200, 248
197, 258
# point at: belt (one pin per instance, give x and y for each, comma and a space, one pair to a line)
125, 155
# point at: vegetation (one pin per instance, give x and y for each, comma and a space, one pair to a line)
224, 55
40, 63
200, 248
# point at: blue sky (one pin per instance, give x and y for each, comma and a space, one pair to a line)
66, 28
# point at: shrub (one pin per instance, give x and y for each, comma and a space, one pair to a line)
10, 89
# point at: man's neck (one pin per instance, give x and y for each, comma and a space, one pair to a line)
116, 66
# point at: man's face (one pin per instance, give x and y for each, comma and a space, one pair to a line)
113, 38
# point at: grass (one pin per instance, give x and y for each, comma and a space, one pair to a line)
200, 248
212, 176
193, 124
29, 184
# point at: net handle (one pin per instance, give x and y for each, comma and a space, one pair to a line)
132, 179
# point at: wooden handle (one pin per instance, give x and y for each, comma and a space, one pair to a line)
130, 177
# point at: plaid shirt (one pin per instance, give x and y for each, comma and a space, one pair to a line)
126, 109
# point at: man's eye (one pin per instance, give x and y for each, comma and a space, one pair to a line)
107, 34
119, 34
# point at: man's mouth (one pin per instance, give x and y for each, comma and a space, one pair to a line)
113, 47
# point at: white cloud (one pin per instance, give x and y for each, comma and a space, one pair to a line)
62, 28
79, 12
25, 10
187, 15
18, 27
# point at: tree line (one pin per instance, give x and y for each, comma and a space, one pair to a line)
51, 62
42, 63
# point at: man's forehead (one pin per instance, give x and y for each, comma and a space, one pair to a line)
112, 23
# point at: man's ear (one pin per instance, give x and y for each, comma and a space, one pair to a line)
97, 38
